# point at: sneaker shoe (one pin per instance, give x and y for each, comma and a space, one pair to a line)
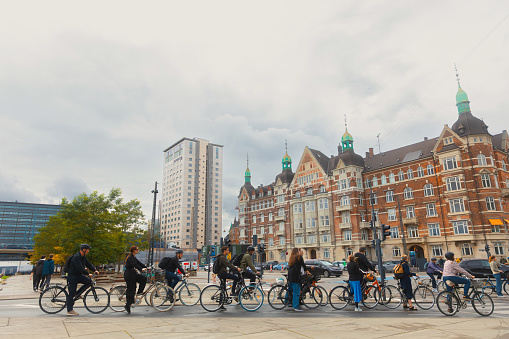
501, 296
466, 297
127, 309
358, 309
72, 313
450, 310
435, 290
298, 310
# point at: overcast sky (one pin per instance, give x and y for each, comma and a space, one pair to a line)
91, 93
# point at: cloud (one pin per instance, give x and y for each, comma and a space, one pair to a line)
12, 190
67, 186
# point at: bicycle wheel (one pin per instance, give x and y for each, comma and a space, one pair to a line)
424, 297
369, 297
118, 298
147, 299
53, 300
278, 297
162, 298
448, 303
441, 286
483, 304
391, 297
96, 300
324, 296
339, 297
265, 287
212, 298
189, 294
488, 288
251, 298
310, 297
506, 287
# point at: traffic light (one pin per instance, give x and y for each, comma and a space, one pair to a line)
227, 241
261, 248
386, 231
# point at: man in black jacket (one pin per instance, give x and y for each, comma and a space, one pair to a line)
172, 265
363, 262
38, 272
77, 274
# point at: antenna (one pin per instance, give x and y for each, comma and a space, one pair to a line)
247, 160
345, 123
457, 76
286, 146
378, 137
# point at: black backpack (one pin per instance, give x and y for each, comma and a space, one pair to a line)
237, 259
164, 262
216, 266
68, 264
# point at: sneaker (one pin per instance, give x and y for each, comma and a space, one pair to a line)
72, 313
435, 290
358, 309
501, 296
298, 310
466, 297
450, 310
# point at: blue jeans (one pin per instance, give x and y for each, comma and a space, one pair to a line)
173, 279
499, 283
355, 287
458, 280
295, 287
73, 282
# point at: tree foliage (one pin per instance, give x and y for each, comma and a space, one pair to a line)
105, 222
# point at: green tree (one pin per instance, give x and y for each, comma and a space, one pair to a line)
105, 222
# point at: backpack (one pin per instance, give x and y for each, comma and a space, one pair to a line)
164, 262
216, 266
426, 266
237, 259
68, 264
399, 272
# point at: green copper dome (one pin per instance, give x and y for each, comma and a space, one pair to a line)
247, 175
462, 101
347, 141
287, 162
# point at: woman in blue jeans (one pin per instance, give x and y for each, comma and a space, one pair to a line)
294, 269
452, 270
495, 269
355, 276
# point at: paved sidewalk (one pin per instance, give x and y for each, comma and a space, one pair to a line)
221, 327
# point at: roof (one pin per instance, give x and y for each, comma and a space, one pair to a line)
400, 155
349, 157
467, 124
498, 141
285, 176
322, 159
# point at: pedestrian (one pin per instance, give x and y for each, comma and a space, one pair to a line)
441, 262
38, 273
432, 270
48, 269
132, 277
503, 260
295, 267
406, 284
355, 276
495, 268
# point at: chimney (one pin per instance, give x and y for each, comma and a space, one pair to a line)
340, 149
367, 154
425, 138
371, 153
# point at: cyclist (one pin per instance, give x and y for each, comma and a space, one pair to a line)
131, 277
452, 270
223, 264
432, 270
77, 274
364, 264
246, 262
174, 264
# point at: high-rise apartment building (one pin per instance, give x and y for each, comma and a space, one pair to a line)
191, 201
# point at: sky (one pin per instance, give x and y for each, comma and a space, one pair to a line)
91, 93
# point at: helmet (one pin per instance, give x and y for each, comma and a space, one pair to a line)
85, 247
449, 256
280, 281
179, 251
250, 248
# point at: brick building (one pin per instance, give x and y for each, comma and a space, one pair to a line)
448, 193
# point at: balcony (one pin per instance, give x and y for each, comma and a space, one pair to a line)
279, 247
324, 228
505, 192
410, 221
310, 244
280, 232
279, 218
242, 236
343, 208
344, 243
345, 225
311, 230
364, 224
298, 231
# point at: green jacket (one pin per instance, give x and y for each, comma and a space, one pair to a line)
247, 261
224, 263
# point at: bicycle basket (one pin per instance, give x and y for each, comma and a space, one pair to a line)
369, 277
159, 276
478, 283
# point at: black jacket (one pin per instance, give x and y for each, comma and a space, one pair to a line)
78, 264
354, 272
173, 264
295, 270
132, 263
38, 266
364, 263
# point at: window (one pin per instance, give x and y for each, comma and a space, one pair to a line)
394, 232
436, 250
485, 179
281, 240
270, 229
311, 239
326, 238
324, 220
359, 183
391, 178
504, 166
299, 240
396, 252
401, 176
498, 248
322, 189
450, 163
345, 200
408, 193
254, 231
297, 194
262, 218
456, 206
434, 230
281, 212
410, 174
309, 191
466, 250
282, 255
453, 184
343, 184
431, 210
383, 180
347, 235
389, 196
372, 199
391, 214
270, 216
375, 181
364, 234
420, 171
428, 190
311, 222
430, 169
460, 227
410, 212
310, 206
323, 204
481, 160
254, 219
361, 197
349, 251
413, 232
490, 204
345, 216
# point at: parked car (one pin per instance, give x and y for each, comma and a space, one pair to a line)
480, 268
388, 265
324, 268
266, 265
341, 264
281, 266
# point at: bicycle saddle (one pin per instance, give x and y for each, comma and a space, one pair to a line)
449, 283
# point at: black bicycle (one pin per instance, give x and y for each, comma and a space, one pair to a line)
311, 296
54, 298
449, 303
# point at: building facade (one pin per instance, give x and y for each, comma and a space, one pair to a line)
191, 200
448, 193
19, 222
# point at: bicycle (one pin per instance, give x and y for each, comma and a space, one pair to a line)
189, 293
449, 302
53, 299
393, 296
489, 285
341, 296
427, 282
279, 296
162, 297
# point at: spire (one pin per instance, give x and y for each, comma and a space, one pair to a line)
347, 139
247, 174
461, 97
286, 161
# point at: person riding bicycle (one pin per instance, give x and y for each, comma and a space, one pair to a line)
223, 264
132, 277
246, 262
432, 270
172, 265
77, 274
364, 264
452, 270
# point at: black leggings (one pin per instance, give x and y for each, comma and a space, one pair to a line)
131, 281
